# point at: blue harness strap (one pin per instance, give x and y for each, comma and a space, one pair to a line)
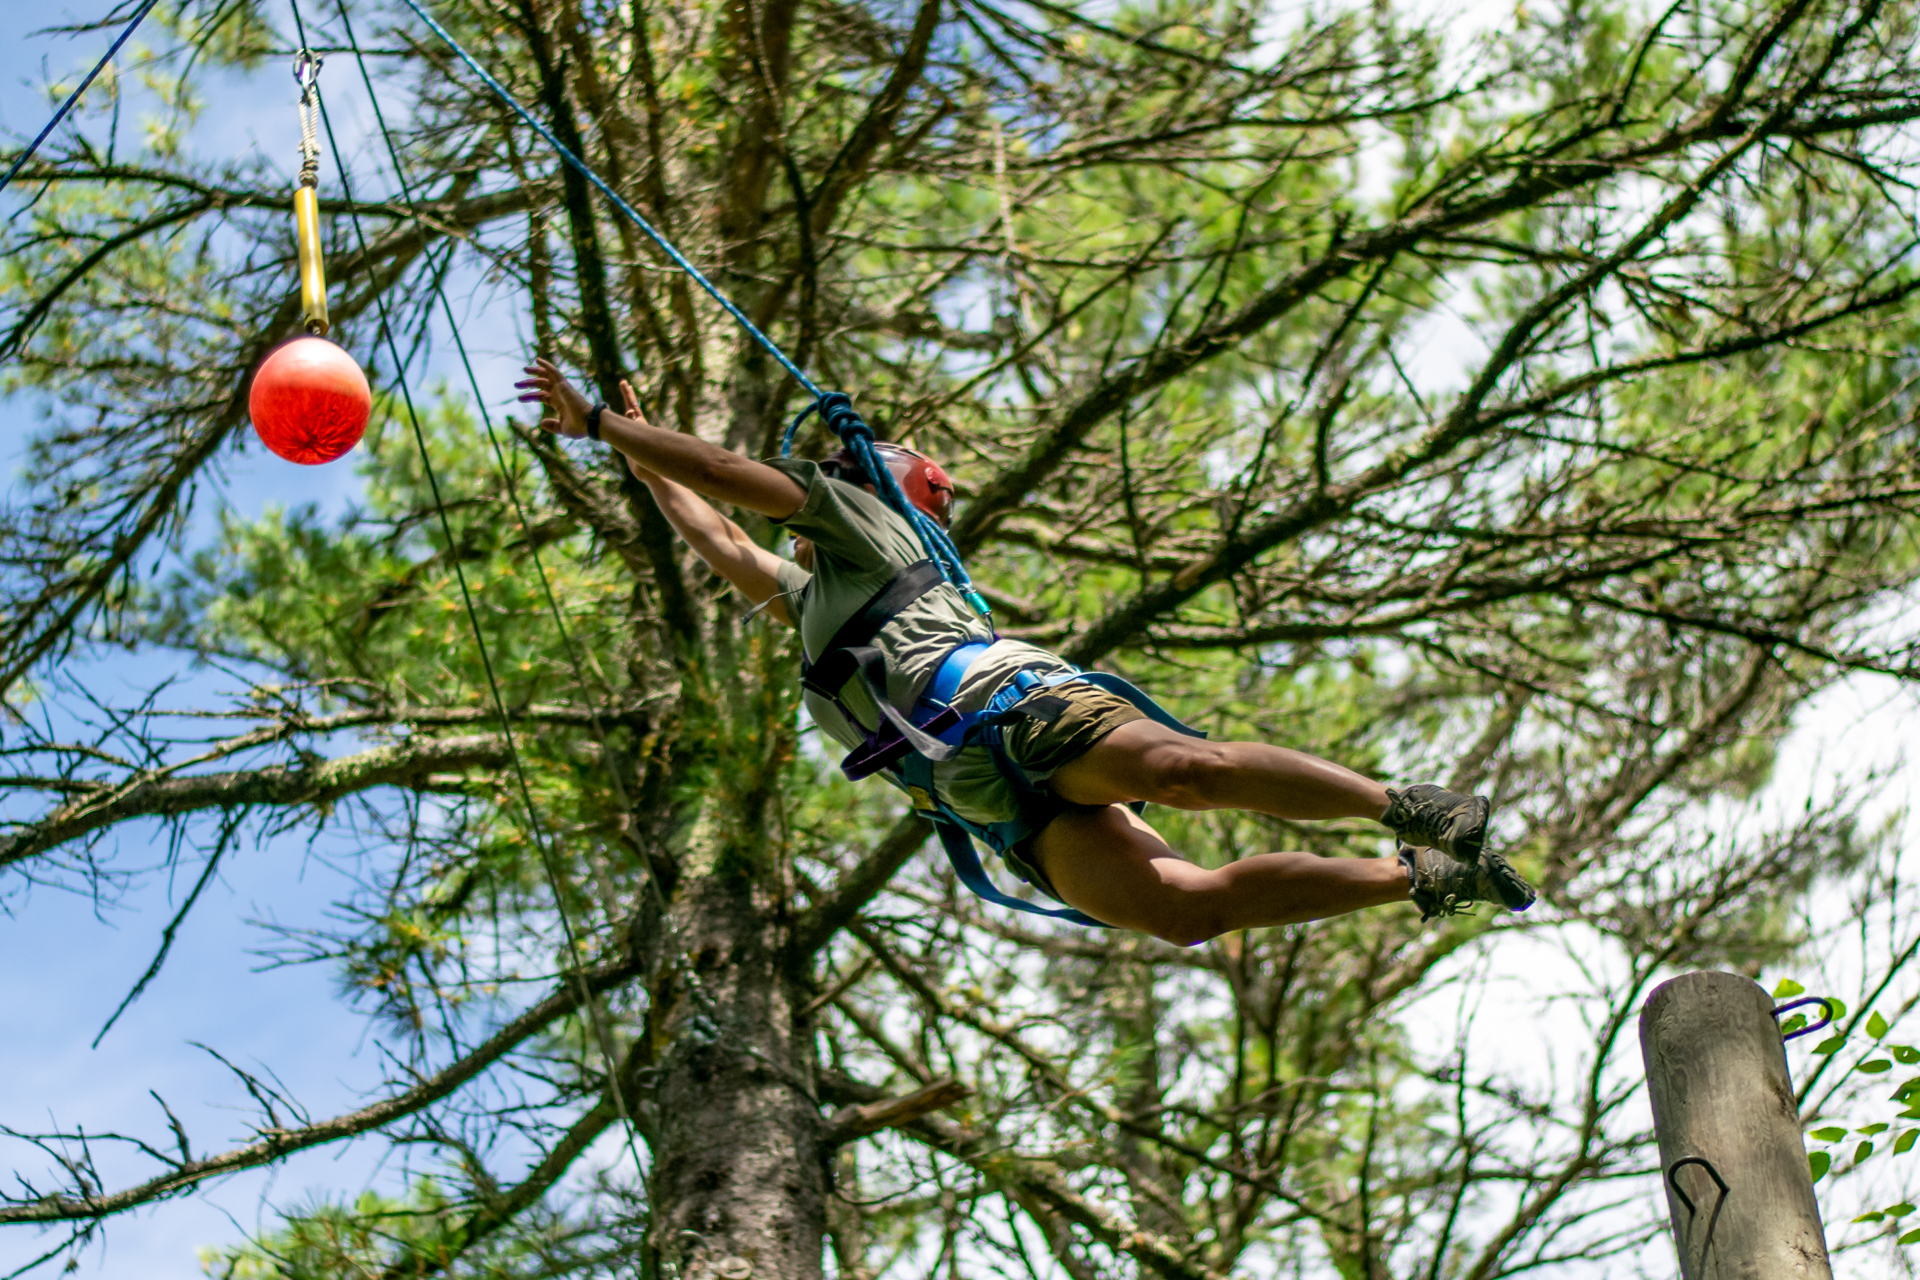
914, 770
907, 746
958, 843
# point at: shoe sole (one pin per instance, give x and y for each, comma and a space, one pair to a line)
1512, 887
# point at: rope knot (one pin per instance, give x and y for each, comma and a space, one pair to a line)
837, 411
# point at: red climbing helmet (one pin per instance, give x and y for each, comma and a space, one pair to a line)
925, 483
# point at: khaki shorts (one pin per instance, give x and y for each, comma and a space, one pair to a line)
1041, 747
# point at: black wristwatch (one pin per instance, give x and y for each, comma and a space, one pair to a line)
593, 420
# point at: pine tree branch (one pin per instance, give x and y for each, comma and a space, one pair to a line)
1466, 422
859, 886
155, 793
496, 1211
1530, 184
277, 1144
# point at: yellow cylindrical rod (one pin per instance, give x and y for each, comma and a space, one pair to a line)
313, 267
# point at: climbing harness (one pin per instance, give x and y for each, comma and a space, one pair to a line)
905, 746
1025, 696
74, 97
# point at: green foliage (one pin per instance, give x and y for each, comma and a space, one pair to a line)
1274, 374
1906, 1095
419, 1234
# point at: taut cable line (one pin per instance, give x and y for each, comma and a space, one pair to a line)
61, 114
567, 643
536, 829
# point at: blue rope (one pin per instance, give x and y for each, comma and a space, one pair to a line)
835, 407
74, 97
666, 246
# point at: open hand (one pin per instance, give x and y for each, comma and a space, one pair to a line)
631, 402
566, 407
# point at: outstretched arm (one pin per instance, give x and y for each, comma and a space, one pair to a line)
724, 545
708, 469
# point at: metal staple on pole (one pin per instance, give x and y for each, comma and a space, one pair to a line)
1713, 1220
1826, 1015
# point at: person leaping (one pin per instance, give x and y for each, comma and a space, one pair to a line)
997, 739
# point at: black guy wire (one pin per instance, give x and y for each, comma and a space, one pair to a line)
74, 97
486, 420
567, 644
585, 996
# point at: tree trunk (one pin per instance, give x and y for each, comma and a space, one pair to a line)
739, 1184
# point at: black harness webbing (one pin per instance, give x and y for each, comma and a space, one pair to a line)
836, 663
851, 653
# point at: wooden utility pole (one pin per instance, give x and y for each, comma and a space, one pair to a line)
1731, 1154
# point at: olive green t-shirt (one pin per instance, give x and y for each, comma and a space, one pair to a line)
860, 543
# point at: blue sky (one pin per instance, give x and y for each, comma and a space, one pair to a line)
68, 963
68, 960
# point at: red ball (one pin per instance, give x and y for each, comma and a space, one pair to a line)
309, 401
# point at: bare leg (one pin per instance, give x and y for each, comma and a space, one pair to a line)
1110, 864
1143, 760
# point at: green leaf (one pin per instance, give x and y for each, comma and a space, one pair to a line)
1910, 1237
1818, 1163
1904, 1054
1867, 1131
1831, 1133
1876, 1025
1906, 1091
1830, 1044
1904, 1143
1788, 987
1874, 1066
1861, 1152
1793, 1024
1900, 1210
1839, 1007
1873, 1215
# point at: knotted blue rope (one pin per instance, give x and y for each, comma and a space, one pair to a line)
837, 411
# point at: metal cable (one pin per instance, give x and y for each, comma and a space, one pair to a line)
306, 73
536, 829
74, 97
595, 727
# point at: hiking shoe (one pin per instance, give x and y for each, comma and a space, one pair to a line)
1443, 885
1436, 818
